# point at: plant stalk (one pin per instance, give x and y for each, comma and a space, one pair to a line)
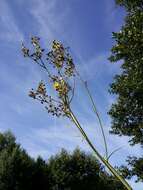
100, 122
106, 163
96, 112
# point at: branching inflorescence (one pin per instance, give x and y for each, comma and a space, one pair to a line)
62, 63
61, 70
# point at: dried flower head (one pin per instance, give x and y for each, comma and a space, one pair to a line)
32, 94
38, 51
35, 41
63, 65
57, 45
25, 51
55, 107
60, 58
61, 87
41, 88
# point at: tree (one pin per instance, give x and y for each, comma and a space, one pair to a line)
18, 171
15, 165
7, 141
127, 112
79, 171
65, 171
40, 179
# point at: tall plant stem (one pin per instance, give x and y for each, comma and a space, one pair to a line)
105, 162
99, 119
96, 112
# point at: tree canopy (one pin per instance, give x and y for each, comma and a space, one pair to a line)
15, 165
18, 171
127, 111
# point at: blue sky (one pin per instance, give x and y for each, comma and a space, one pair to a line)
85, 26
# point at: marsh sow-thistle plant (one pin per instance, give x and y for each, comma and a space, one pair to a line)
61, 70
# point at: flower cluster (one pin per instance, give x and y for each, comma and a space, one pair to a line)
25, 51
56, 108
60, 58
38, 51
61, 86
64, 67
40, 93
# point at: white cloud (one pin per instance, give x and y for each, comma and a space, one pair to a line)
112, 15
9, 29
59, 135
65, 135
97, 66
136, 186
50, 20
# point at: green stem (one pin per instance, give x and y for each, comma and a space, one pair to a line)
107, 164
113, 152
100, 122
96, 112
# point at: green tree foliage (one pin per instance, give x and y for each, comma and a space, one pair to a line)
40, 179
79, 171
15, 165
131, 4
62, 172
127, 112
18, 171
